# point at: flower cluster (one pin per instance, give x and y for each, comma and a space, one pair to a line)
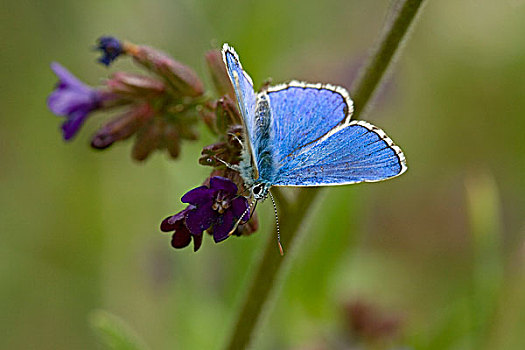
216, 208
160, 109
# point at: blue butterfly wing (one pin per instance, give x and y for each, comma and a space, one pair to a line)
303, 113
316, 144
300, 134
246, 97
351, 153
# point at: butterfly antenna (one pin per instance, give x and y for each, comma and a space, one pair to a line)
277, 224
253, 210
240, 219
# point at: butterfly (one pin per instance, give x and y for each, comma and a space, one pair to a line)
301, 134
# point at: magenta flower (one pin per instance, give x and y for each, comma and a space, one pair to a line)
111, 48
72, 99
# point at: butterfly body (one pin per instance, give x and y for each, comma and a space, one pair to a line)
300, 134
261, 180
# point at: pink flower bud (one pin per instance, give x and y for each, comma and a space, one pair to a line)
135, 85
218, 73
181, 78
227, 114
172, 140
123, 126
148, 139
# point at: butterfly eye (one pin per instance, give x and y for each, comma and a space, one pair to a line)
257, 190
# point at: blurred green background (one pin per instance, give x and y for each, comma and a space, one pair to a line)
442, 247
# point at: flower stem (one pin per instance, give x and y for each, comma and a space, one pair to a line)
394, 32
293, 214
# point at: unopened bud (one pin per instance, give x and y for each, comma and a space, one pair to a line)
227, 114
110, 47
109, 99
211, 152
218, 73
148, 139
134, 84
182, 79
217, 154
172, 140
206, 112
186, 131
123, 126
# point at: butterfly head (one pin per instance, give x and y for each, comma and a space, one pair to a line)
260, 191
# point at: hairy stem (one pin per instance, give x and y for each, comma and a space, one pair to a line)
293, 214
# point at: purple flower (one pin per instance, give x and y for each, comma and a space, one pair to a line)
181, 236
72, 99
217, 207
111, 48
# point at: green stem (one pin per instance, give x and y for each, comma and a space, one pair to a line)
293, 215
395, 31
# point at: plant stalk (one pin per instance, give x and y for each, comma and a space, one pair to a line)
293, 215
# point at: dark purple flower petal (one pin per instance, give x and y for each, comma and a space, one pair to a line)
223, 226
111, 48
171, 222
222, 183
239, 206
197, 241
181, 238
73, 124
198, 196
200, 219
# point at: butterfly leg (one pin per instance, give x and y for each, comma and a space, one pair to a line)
228, 165
236, 138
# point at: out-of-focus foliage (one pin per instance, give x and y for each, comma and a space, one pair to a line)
113, 332
442, 246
